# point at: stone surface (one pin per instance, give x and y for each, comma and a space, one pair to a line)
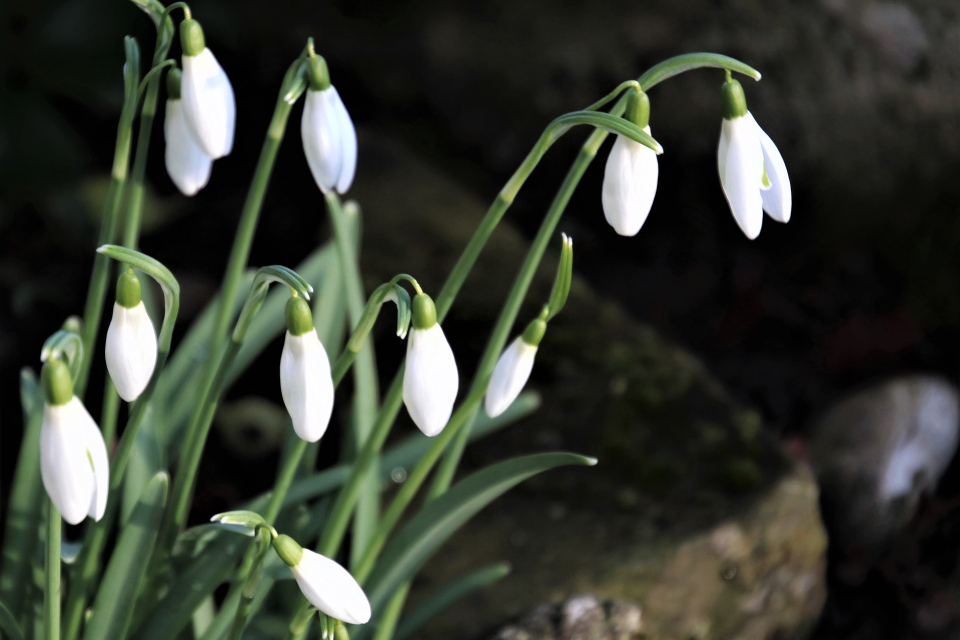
878, 451
694, 513
579, 618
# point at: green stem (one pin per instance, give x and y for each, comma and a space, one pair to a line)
108, 412
148, 112
51, 596
366, 395
250, 583
387, 623
99, 278
239, 254
498, 338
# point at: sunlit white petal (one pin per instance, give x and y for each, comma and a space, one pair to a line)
348, 144
69, 454
321, 131
740, 162
131, 350
778, 198
208, 103
331, 589
431, 381
629, 185
306, 385
509, 376
187, 165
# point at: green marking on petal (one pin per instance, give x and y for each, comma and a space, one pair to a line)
765, 179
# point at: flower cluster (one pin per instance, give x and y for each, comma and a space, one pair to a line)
752, 172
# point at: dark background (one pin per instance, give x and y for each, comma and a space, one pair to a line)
861, 97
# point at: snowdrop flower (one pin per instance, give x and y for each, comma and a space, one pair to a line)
187, 165
630, 177
131, 351
327, 585
752, 172
305, 379
329, 139
209, 107
513, 369
431, 381
73, 457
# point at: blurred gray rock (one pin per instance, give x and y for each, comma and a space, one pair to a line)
878, 451
580, 618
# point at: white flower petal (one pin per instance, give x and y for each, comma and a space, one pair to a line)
348, 144
97, 450
64, 465
208, 103
742, 166
322, 137
187, 165
331, 589
778, 198
131, 350
509, 376
306, 385
431, 381
629, 185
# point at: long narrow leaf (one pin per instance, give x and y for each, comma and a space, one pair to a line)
438, 520
447, 596
9, 625
23, 512
113, 607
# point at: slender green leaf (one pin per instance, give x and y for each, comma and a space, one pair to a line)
24, 506
9, 625
113, 606
146, 461
689, 61
439, 519
447, 596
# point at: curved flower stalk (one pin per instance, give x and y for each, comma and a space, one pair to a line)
131, 350
630, 177
73, 457
431, 380
187, 164
752, 172
329, 138
209, 107
515, 364
306, 383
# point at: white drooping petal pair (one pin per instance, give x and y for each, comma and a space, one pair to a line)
431, 379
306, 383
131, 349
329, 138
73, 457
201, 113
327, 585
509, 376
630, 177
753, 175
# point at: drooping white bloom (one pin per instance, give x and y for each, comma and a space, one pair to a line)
329, 140
509, 376
73, 461
431, 380
306, 384
753, 175
131, 351
209, 106
187, 165
629, 184
331, 589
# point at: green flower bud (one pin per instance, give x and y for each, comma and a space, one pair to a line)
317, 73
288, 550
734, 100
424, 311
638, 109
73, 324
57, 382
534, 332
299, 317
174, 77
191, 38
128, 289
